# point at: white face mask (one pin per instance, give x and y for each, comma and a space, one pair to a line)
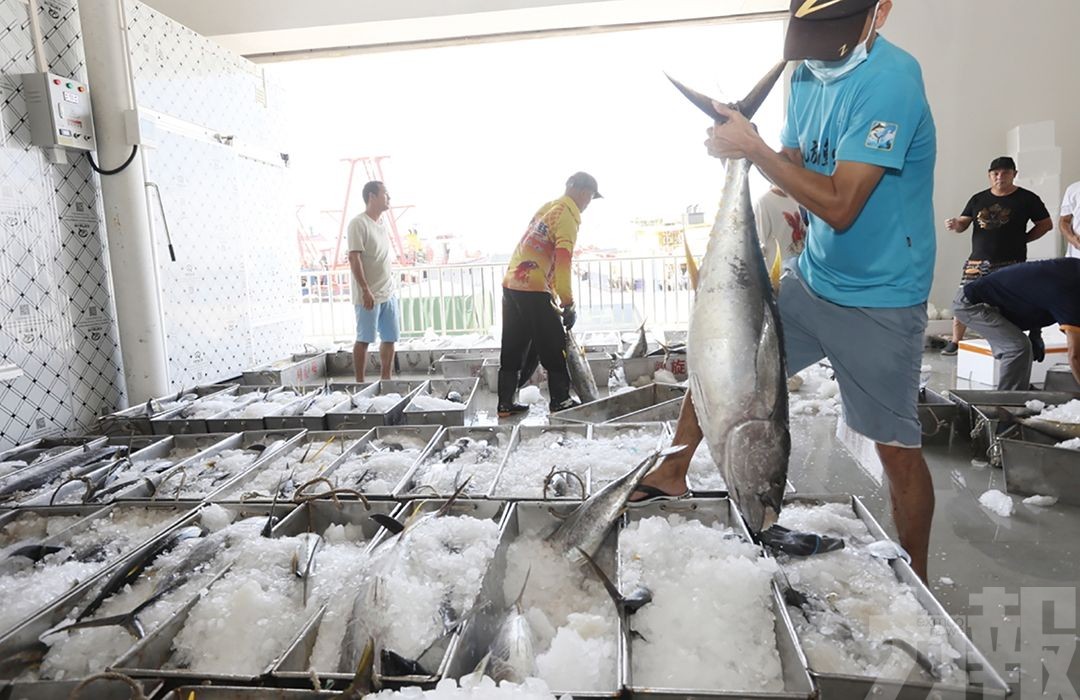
828, 71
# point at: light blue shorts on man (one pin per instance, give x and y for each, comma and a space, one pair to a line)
383, 317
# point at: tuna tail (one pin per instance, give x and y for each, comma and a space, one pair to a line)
691, 264
777, 268
747, 106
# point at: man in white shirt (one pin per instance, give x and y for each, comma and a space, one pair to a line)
1070, 220
374, 288
779, 225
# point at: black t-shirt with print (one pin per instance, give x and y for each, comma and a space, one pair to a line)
1001, 224
1032, 295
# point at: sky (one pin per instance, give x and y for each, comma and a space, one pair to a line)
479, 136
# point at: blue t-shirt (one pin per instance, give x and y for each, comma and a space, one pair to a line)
876, 114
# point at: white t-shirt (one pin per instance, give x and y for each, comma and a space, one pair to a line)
779, 221
1070, 204
372, 240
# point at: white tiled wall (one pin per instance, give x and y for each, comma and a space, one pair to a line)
56, 316
229, 301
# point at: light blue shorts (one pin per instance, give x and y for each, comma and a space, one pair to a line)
876, 354
384, 317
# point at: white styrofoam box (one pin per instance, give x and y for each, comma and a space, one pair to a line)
976, 364
1029, 137
1048, 187
862, 449
1039, 162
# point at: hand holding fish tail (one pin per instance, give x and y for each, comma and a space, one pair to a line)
737, 138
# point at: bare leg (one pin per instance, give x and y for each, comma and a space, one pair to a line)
359, 359
386, 358
911, 490
670, 476
958, 330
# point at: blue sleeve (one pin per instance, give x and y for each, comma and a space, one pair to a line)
882, 124
789, 134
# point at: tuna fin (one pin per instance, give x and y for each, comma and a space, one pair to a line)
691, 264
776, 269
389, 523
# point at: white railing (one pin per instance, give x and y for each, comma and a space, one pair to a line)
611, 294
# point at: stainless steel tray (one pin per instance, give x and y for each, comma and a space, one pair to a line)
330, 447
425, 434
176, 422
538, 519
28, 628
172, 478
797, 683
340, 419
56, 613
498, 436
293, 664
606, 409
503, 489
292, 371
1035, 467
439, 388
849, 687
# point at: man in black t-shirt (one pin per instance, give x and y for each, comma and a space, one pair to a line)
1001, 215
1024, 297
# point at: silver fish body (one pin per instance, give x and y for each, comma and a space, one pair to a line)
584, 529
735, 359
580, 373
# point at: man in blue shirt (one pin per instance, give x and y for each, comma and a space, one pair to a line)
858, 153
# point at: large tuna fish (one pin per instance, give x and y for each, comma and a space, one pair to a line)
734, 349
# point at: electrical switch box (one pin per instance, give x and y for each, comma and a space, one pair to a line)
59, 111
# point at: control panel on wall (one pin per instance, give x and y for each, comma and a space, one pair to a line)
59, 111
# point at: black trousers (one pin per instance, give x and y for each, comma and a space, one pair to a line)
532, 330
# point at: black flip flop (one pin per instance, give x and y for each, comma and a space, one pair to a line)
654, 495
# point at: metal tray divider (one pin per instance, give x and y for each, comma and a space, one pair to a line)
225, 422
